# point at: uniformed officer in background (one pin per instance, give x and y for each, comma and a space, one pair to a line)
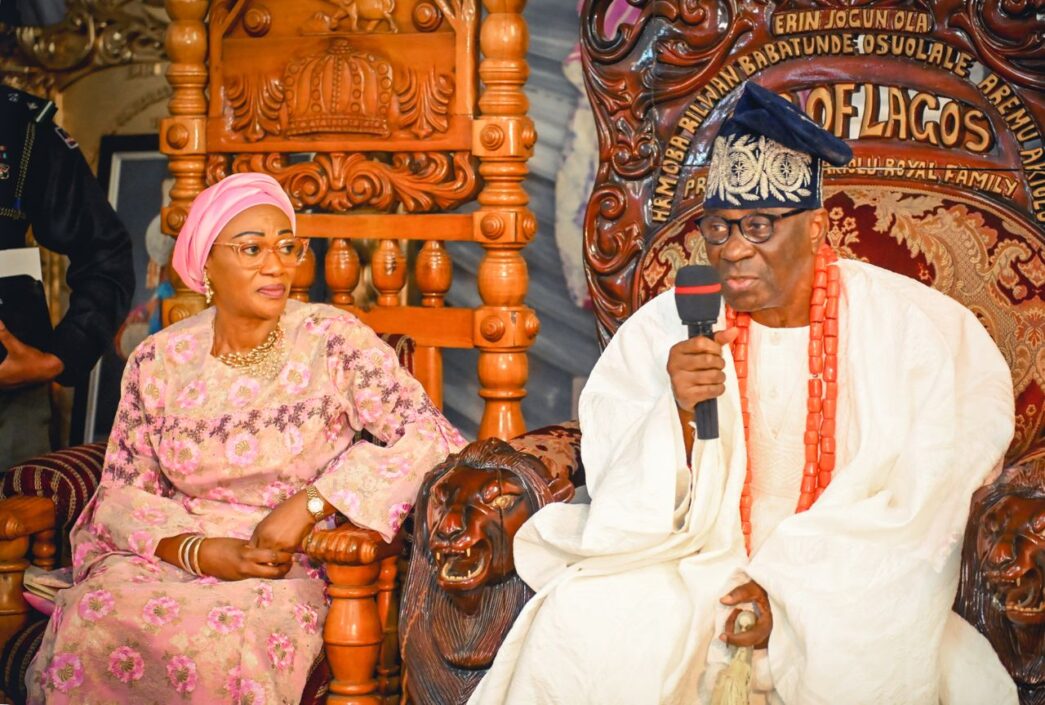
46, 183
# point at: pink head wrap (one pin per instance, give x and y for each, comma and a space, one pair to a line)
212, 210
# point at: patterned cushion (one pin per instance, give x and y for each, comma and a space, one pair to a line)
17, 653
558, 447
68, 477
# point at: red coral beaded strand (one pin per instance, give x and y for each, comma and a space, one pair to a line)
822, 402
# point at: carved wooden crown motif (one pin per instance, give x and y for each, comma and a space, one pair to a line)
381, 94
340, 89
308, 79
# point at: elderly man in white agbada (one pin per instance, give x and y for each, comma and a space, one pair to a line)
858, 412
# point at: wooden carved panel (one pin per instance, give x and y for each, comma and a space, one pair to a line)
369, 115
368, 91
366, 74
939, 95
414, 182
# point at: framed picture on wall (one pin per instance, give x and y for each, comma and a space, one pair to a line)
134, 174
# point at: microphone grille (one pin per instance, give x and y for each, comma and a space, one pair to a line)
698, 293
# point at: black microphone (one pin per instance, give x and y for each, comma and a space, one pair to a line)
698, 296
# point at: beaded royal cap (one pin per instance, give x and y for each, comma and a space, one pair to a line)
768, 154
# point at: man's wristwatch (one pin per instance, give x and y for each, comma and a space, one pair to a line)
315, 504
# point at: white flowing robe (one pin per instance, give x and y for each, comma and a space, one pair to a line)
627, 587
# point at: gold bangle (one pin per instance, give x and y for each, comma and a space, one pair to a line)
195, 559
184, 550
183, 558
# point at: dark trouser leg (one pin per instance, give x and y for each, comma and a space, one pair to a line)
25, 423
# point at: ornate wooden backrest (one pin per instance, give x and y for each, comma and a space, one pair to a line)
941, 101
369, 113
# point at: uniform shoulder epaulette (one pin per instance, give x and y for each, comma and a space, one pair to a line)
32, 107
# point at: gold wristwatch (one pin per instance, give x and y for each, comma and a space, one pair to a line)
315, 504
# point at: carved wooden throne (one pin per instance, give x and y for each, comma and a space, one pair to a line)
370, 114
391, 136
942, 104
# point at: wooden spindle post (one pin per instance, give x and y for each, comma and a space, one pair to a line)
183, 135
14, 610
388, 612
388, 272
352, 634
44, 549
434, 272
342, 271
503, 139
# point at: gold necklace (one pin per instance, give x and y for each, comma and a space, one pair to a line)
264, 360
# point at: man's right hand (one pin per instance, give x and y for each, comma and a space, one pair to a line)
696, 366
235, 559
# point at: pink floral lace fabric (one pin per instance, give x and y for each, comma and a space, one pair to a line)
199, 447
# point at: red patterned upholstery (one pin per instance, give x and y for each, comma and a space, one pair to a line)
68, 477
558, 447
17, 654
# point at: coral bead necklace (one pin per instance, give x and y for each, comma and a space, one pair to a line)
822, 401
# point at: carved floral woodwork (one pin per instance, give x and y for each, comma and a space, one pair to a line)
1009, 35
462, 587
353, 68
672, 68
413, 182
689, 37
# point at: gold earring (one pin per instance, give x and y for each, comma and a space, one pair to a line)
208, 291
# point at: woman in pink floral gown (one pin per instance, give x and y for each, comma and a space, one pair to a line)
202, 446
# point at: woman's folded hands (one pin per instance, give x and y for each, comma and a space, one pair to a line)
236, 559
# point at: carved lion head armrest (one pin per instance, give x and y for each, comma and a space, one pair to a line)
462, 593
1002, 591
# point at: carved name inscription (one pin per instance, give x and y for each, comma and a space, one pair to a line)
854, 111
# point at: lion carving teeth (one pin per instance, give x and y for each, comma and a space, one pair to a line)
446, 572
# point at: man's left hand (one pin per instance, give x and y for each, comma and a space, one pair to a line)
758, 635
24, 364
286, 526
